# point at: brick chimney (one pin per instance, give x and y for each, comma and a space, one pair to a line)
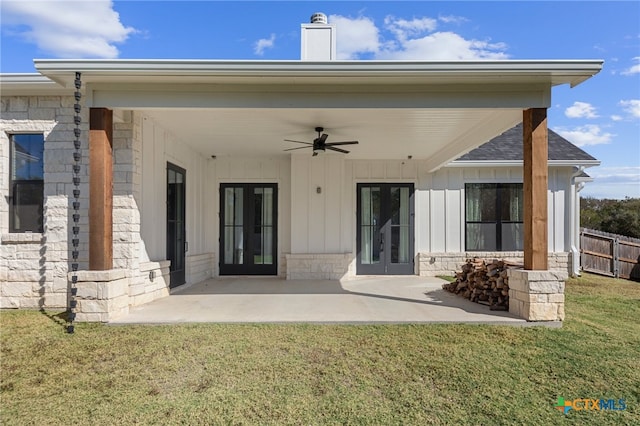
318, 39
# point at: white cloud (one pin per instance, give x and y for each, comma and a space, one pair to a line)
634, 69
616, 118
355, 36
581, 110
415, 39
631, 106
452, 19
264, 43
613, 182
589, 134
404, 29
445, 46
68, 29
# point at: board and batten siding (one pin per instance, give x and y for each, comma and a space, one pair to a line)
325, 222
159, 147
441, 199
320, 214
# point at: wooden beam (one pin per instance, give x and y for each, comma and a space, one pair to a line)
100, 189
535, 141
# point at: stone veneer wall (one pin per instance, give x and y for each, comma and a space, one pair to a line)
33, 266
127, 182
433, 264
318, 266
26, 278
537, 295
152, 283
199, 267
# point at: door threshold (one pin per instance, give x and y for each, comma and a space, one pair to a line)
385, 276
248, 277
180, 288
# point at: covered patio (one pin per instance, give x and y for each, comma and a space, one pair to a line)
222, 123
362, 300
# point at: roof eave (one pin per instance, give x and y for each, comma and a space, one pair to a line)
29, 83
554, 72
519, 163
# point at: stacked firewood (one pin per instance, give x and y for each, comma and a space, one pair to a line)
484, 282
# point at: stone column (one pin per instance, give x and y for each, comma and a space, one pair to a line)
537, 295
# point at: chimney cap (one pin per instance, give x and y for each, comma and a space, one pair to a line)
318, 18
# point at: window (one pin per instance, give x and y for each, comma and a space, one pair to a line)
494, 216
26, 182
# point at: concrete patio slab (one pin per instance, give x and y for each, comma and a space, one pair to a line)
406, 299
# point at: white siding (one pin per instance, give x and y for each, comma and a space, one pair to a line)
317, 219
441, 199
158, 148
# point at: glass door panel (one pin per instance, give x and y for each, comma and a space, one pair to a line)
370, 237
385, 229
400, 224
248, 232
176, 225
233, 226
263, 226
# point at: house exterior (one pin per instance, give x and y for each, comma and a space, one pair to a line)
123, 179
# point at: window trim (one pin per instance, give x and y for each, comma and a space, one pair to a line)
10, 190
499, 187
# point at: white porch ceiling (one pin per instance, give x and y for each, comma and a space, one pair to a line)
437, 135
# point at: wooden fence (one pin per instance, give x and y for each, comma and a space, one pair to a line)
610, 254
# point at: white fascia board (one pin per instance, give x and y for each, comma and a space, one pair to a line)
584, 179
519, 163
553, 72
29, 84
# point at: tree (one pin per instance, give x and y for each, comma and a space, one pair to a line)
614, 216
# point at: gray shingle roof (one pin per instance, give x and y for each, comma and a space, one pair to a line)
508, 147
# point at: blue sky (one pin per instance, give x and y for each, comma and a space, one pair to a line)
602, 115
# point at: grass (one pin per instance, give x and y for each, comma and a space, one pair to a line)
327, 374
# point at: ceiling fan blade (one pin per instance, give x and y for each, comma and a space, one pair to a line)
306, 143
337, 149
293, 149
342, 143
323, 138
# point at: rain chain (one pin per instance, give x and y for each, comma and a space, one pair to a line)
75, 241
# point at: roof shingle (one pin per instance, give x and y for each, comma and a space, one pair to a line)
508, 147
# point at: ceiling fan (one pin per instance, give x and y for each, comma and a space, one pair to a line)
320, 144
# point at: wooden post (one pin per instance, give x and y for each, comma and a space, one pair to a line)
535, 141
100, 189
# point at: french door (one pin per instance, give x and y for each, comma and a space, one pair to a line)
385, 229
176, 239
248, 229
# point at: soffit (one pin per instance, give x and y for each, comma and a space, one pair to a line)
424, 134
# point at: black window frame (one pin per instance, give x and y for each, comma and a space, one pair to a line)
31, 184
500, 188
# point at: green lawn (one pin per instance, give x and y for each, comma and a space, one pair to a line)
327, 374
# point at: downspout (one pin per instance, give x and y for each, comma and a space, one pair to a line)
75, 241
575, 221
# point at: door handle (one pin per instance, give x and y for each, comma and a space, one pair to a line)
381, 241
186, 246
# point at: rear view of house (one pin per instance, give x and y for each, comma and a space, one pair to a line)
186, 170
